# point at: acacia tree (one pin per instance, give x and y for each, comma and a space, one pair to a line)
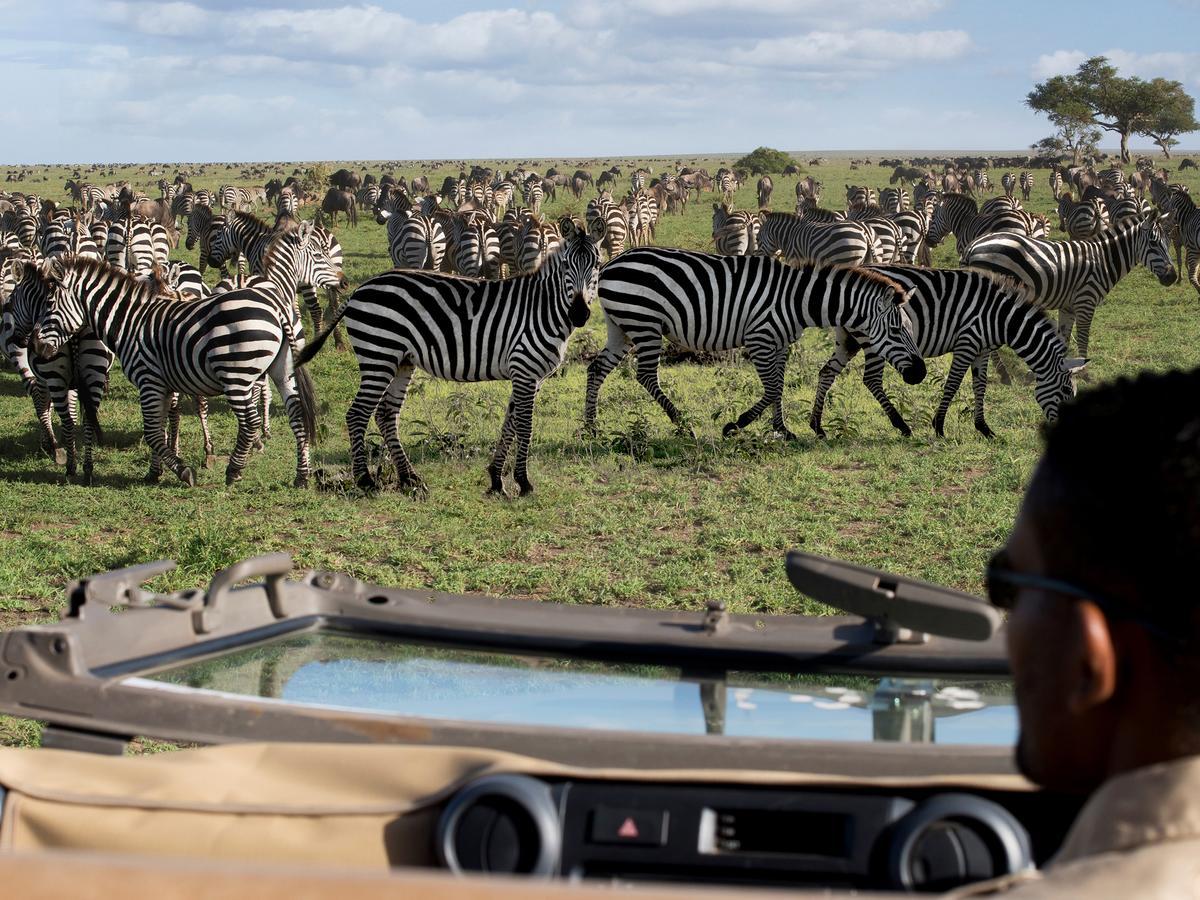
1075, 134
1174, 115
1124, 106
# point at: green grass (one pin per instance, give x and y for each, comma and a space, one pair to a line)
635, 516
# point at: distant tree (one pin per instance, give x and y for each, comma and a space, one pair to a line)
1124, 106
315, 178
1075, 136
765, 161
1175, 114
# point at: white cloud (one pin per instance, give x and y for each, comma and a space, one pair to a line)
1178, 65
847, 51
162, 19
1060, 62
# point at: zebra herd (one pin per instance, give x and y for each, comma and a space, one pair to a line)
486, 287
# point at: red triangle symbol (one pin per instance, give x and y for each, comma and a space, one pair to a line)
628, 828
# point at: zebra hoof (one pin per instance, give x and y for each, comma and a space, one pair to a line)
232, 475
818, 431
60, 456
524, 487
982, 428
187, 476
300, 481
497, 483
416, 489
88, 479
904, 429
210, 460
730, 428
152, 477
366, 483
939, 428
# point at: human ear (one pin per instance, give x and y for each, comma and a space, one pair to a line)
1095, 664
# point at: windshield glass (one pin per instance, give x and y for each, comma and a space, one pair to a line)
350, 672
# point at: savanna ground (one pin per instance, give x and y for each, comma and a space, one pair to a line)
637, 515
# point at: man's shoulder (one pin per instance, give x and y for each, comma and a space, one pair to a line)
1167, 869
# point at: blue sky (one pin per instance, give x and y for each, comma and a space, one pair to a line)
194, 80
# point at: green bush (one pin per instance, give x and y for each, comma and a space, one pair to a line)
316, 179
765, 160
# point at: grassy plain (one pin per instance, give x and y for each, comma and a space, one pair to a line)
635, 516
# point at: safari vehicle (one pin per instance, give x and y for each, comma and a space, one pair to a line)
354, 735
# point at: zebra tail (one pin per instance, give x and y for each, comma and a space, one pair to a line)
89, 404
313, 347
306, 391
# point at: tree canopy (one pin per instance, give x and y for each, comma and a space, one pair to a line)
765, 161
1097, 95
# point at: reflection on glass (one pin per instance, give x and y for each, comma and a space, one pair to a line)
385, 676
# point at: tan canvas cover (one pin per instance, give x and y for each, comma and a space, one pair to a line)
336, 804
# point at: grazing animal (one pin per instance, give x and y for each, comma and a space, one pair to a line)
1074, 277
1082, 220
1008, 181
462, 329
701, 301
1056, 183
765, 187
337, 201
971, 315
1026, 182
223, 345
735, 232
835, 243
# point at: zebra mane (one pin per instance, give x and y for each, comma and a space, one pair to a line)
1009, 285
864, 272
252, 221
276, 242
131, 284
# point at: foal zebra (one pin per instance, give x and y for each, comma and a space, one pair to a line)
970, 315
463, 330
702, 301
222, 345
1074, 277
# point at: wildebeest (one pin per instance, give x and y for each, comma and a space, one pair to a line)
340, 201
765, 187
345, 180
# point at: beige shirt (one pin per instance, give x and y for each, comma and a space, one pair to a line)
1138, 836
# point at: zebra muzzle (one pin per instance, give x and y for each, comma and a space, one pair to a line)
915, 372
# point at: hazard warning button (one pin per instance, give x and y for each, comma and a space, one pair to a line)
632, 827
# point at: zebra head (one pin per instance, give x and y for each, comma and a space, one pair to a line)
314, 264
1153, 248
58, 314
577, 259
1056, 384
881, 323
31, 293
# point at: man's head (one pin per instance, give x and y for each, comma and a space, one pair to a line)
1102, 572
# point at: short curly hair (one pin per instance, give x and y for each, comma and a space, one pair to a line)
1118, 493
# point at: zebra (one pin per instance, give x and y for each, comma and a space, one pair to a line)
134, 245
795, 238
463, 330
1082, 220
894, 200
203, 226
368, 196
983, 182
1165, 198
734, 232
1186, 219
222, 345
76, 375
702, 301
233, 198
1074, 277
637, 182
535, 242
476, 246
1056, 183
1026, 183
287, 203
1008, 181
1112, 178
858, 196
971, 315
957, 214
533, 194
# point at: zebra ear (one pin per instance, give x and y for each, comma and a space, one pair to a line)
566, 226
1075, 364
54, 269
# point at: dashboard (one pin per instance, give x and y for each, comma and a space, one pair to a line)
904, 840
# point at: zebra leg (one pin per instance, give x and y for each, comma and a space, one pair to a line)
1193, 268
284, 375
1066, 324
41, 408
979, 386
64, 405
777, 422
648, 354
496, 466
202, 414
523, 396
873, 379
845, 351
764, 358
245, 410
263, 389
173, 424
958, 370
309, 294
370, 391
1083, 328
599, 369
331, 311
388, 417
154, 411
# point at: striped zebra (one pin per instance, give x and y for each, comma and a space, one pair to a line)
476, 246
705, 302
637, 182
287, 203
1165, 196
1112, 178
535, 242
1074, 277
75, 377
502, 197
203, 226
533, 196
220, 346
836, 243
1008, 182
368, 196
734, 232
1056, 183
971, 315
1082, 220
136, 245
604, 216
957, 214
1026, 182
858, 197
765, 188
894, 200
463, 330
983, 182
232, 198
1185, 217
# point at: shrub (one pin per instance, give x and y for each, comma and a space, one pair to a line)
765, 160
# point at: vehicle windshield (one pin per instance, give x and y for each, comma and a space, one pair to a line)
330, 669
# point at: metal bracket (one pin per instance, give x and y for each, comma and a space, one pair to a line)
272, 567
119, 588
716, 617
57, 737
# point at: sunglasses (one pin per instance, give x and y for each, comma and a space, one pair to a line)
1004, 584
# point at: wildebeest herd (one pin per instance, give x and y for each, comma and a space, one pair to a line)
486, 287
